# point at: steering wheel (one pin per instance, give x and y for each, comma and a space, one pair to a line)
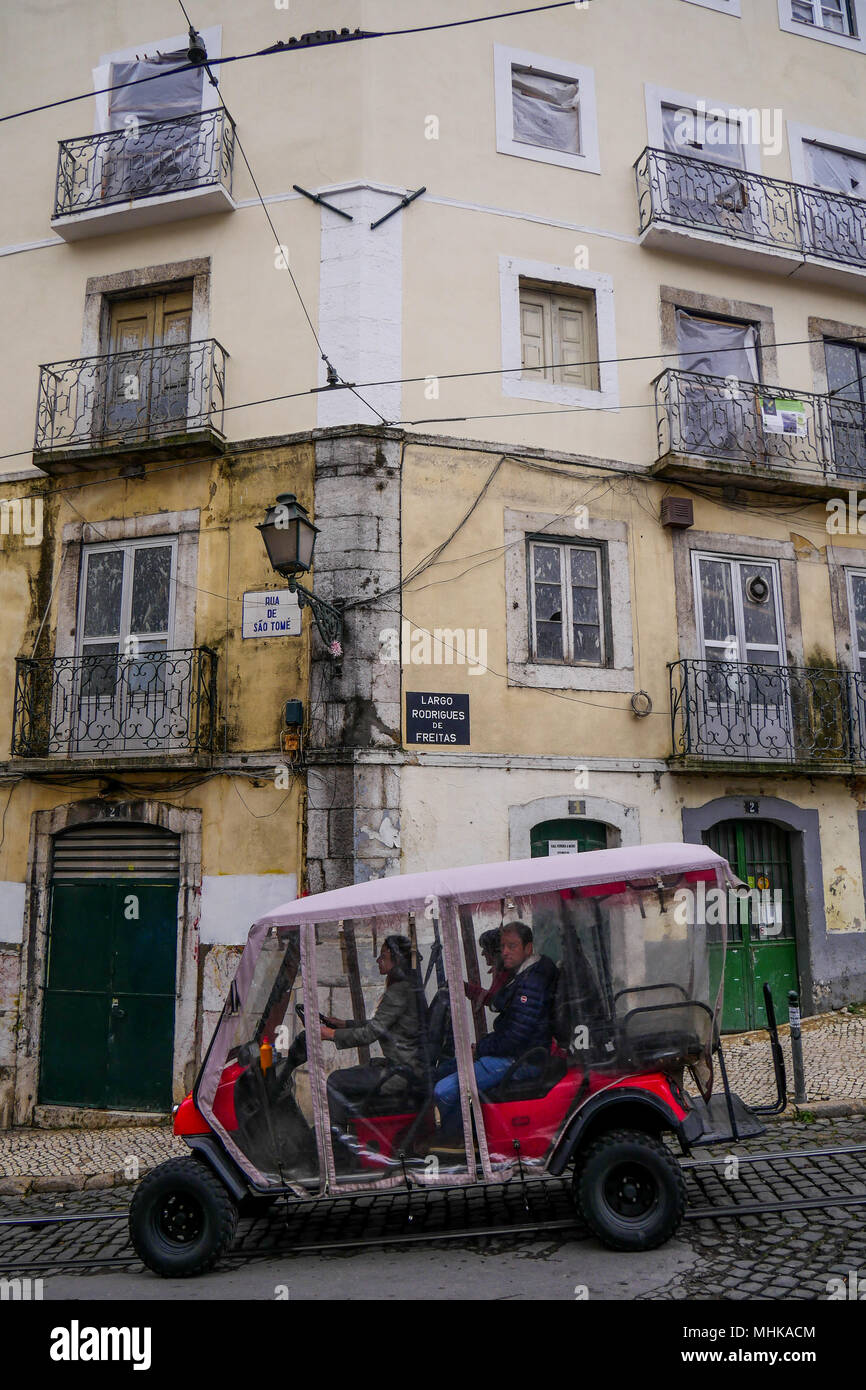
299, 1010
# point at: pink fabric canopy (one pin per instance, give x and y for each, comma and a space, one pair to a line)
484, 882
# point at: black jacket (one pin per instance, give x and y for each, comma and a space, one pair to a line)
525, 1007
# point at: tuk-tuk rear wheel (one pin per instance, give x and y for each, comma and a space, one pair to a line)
181, 1218
630, 1190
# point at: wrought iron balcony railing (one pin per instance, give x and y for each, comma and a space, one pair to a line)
811, 717
722, 418
145, 161
147, 702
131, 397
770, 213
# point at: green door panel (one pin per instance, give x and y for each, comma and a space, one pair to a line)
140, 1048
586, 834
735, 1004
80, 959
761, 943
145, 938
108, 1014
777, 964
74, 1062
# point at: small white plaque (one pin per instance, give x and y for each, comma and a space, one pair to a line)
274, 613
562, 847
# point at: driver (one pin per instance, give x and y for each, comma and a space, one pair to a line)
394, 1026
523, 1023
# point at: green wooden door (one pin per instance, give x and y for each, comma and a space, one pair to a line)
552, 836
761, 941
108, 1011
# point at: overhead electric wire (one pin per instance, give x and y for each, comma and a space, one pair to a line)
282, 47
506, 371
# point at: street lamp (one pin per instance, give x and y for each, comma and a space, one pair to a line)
290, 539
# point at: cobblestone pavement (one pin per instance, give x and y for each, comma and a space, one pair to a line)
71, 1158
834, 1050
834, 1060
787, 1256
791, 1255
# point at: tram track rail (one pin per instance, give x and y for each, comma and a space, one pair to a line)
810, 1179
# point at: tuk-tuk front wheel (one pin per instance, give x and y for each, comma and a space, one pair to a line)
181, 1219
630, 1190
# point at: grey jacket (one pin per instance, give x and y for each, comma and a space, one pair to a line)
394, 1026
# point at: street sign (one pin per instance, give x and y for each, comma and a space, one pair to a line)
562, 847
435, 718
271, 614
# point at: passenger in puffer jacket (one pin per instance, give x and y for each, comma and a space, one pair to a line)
524, 1021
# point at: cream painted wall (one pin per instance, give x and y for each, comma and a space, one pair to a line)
324, 117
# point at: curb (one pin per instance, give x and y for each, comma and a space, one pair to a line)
27, 1184
811, 1024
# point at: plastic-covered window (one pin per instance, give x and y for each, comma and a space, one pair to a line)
546, 110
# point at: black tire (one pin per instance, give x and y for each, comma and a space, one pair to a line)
181, 1219
630, 1190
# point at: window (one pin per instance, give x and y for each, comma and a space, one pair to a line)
558, 340
149, 364
714, 415
834, 15
840, 22
558, 334
125, 689
567, 603
840, 170
857, 610
545, 109
741, 695
846, 386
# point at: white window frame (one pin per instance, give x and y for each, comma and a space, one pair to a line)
511, 271
504, 59
522, 669
789, 25
102, 73
126, 546
656, 97
731, 7
567, 621
731, 560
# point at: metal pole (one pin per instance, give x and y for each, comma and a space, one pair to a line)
796, 1047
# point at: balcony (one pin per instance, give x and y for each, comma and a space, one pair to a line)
739, 432
788, 718
695, 207
145, 174
130, 406
112, 704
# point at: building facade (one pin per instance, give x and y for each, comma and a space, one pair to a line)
560, 342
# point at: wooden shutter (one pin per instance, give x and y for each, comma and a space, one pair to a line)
574, 342
535, 343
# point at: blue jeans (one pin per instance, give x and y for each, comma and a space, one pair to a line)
446, 1093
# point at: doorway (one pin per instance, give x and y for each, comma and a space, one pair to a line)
566, 837
761, 932
148, 370
110, 982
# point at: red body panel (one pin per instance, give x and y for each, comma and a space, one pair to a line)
534, 1124
188, 1120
